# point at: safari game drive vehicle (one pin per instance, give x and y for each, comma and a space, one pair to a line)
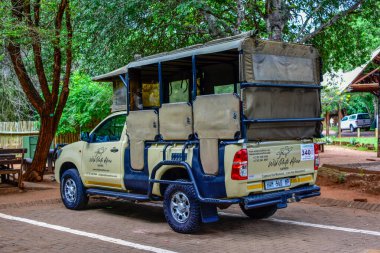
228, 122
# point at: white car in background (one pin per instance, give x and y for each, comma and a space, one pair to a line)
355, 121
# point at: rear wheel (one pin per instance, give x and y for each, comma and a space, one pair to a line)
182, 208
73, 193
260, 212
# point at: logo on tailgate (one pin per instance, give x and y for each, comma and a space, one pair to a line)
283, 160
284, 152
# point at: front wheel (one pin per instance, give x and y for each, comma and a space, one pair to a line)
260, 212
73, 193
352, 128
182, 208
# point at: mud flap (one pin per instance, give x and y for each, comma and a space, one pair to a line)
209, 213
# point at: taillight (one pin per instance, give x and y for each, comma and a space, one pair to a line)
240, 165
316, 156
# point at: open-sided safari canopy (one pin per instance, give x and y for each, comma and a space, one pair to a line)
278, 84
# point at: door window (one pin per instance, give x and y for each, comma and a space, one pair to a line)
110, 130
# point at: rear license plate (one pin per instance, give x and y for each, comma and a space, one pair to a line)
277, 183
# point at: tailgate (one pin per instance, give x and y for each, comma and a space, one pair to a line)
364, 122
270, 161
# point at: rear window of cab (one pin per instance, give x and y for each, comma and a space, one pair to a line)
363, 116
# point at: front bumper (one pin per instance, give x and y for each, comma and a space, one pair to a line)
281, 198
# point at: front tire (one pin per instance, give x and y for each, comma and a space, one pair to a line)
352, 128
260, 212
73, 193
182, 208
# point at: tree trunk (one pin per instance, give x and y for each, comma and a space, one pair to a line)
276, 16
51, 102
327, 123
35, 171
339, 119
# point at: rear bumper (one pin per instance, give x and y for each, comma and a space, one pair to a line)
266, 199
281, 198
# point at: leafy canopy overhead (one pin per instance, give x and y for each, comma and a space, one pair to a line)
110, 33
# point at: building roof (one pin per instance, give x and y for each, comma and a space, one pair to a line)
351, 80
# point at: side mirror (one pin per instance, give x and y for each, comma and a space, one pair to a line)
85, 136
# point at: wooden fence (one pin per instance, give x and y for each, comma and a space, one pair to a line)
11, 134
19, 128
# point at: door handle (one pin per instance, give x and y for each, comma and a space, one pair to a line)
114, 150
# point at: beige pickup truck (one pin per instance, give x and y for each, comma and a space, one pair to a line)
228, 122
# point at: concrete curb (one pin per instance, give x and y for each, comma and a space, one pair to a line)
350, 170
344, 203
323, 202
39, 202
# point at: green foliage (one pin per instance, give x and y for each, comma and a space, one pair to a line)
353, 141
332, 98
88, 103
350, 42
114, 31
107, 34
362, 102
342, 178
328, 140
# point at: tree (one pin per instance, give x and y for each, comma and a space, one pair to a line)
88, 103
14, 105
114, 31
362, 103
26, 24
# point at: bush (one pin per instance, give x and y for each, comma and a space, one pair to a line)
87, 104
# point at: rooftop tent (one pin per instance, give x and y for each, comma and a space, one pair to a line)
270, 112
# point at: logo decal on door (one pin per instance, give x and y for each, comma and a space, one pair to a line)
99, 158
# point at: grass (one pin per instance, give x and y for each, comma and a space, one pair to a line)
362, 140
353, 141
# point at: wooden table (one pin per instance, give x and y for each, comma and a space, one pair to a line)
9, 158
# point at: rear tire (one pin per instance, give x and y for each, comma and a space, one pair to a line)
73, 193
182, 208
260, 212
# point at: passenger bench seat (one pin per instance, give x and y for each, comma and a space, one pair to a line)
216, 117
141, 126
176, 121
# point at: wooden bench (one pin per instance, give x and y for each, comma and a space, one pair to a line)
8, 159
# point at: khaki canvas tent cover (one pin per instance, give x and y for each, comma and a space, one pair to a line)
264, 62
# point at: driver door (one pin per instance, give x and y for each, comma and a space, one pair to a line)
102, 156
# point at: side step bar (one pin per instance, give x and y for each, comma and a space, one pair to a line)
121, 195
